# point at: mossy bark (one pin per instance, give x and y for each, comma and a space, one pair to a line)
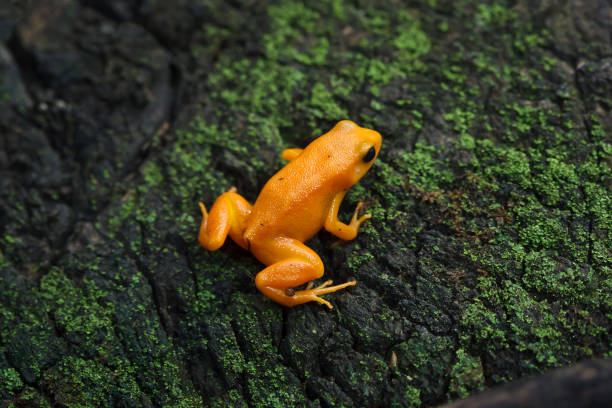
487, 259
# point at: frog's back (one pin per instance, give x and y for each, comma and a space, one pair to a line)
294, 202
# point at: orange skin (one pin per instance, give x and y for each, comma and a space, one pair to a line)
299, 200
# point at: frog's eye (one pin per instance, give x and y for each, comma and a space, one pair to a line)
369, 156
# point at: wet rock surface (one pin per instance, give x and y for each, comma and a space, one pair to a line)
487, 258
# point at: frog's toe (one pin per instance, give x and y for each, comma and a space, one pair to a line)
312, 294
323, 302
203, 209
325, 284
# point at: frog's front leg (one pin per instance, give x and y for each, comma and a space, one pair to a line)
291, 154
228, 215
338, 228
291, 264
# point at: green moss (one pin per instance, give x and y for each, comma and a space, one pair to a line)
226, 351
532, 325
410, 40
425, 358
85, 383
152, 174
539, 231
10, 382
255, 338
29, 397
482, 327
414, 355
271, 387
81, 312
358, 257
322, 105
423, 169
564, 281
232, 399
27, 335
290, 22
493, 16
411, 396
518, 321
466, 376
460, 118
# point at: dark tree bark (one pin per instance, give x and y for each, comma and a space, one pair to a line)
487, 258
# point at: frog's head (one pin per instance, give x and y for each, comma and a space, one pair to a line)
358, 148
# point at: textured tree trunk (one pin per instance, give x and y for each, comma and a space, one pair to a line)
487, 258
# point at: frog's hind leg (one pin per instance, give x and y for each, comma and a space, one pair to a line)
228, 215
291, 264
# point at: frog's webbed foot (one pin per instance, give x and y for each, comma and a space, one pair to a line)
356, 222
345, 232
312, 294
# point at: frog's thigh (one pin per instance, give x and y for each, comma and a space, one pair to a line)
291, 264
228, 215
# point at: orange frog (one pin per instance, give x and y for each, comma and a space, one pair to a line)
292, 207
